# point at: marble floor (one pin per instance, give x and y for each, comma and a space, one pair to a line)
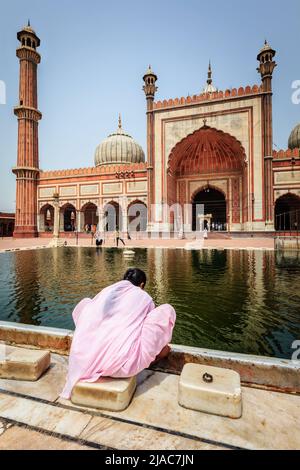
153, 420
256, 243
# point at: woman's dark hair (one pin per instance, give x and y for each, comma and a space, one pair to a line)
136, 276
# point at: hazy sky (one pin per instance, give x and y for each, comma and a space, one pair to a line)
94, 54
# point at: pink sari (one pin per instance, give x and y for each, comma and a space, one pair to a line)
118, 334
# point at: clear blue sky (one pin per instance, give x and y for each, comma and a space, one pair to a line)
94, 54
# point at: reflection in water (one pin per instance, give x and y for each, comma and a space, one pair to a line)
26, 286
243, 301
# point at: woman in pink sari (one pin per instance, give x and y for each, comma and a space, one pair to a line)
118, 333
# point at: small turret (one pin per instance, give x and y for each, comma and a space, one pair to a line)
266, 65
150, 84
209, 88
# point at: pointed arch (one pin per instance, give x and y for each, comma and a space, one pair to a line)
206, 150
68, 219
90, 216
205, 154
137, 215
113, 215
287, 212
46, 218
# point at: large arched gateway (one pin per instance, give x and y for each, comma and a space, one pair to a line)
213, 202
209, 167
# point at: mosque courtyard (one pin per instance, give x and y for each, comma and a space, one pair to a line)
263, 243
114, 171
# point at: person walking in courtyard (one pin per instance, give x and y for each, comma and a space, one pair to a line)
118, 238
98, 238
118, 333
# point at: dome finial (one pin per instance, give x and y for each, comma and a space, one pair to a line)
120, 121
28, 24
209, 88
209, 74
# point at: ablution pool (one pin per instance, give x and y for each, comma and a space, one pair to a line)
231, 300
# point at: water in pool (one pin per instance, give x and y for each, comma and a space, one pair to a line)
242, 301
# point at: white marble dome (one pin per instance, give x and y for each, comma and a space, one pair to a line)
294, 139
118, 147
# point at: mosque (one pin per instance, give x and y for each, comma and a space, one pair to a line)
213, 148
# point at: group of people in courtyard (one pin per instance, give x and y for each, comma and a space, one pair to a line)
100, 237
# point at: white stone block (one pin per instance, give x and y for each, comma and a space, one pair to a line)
107, 393
211, 390
24, 364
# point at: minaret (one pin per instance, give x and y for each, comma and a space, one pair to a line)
27, 168
266, 68
150, 88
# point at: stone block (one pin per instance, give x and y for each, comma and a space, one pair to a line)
107, 393
210, 390
24, 364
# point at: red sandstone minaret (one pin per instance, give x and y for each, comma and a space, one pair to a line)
150, 88
266, 68
27, 168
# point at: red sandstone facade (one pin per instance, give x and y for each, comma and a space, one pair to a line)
217, 144
222, 142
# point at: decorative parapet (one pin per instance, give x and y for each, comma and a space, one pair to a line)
281, 154
215, 96
25, 173
94, 170
7, 215
28, 53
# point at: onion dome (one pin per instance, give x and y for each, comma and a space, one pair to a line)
294, 139
119, 147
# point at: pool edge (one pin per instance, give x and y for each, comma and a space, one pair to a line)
262, 371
